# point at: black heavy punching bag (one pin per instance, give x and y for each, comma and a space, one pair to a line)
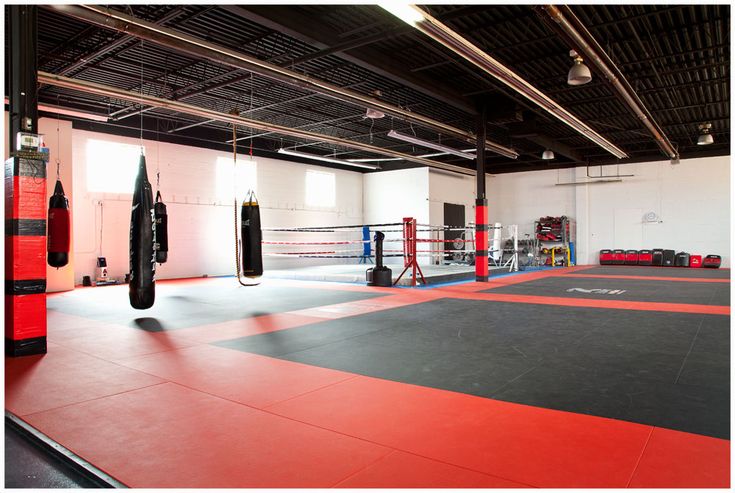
252, 255
142, 243
159, 212
58, 228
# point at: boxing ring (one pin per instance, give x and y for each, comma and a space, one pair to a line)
416, 253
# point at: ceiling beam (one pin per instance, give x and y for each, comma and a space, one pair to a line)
191, 45
108, 91
282, 19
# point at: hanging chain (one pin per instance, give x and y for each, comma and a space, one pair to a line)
141, 96
158, 157
58, 142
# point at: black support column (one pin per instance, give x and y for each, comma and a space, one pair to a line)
23, 85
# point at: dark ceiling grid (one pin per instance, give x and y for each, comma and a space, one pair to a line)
688, 48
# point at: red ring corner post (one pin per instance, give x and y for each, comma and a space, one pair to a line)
409, 251
482, 272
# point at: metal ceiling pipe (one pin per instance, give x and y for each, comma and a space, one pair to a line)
590, 49
118, 21
114, 92
455, 42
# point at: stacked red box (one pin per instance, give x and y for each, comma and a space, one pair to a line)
631, 257
645, 257
618, 257
606, 257
695, 261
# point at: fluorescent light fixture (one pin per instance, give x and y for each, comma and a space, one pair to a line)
431, 145
591, 182
375, 159
60, 110
404, 11
382, 159
473, 54
326, 159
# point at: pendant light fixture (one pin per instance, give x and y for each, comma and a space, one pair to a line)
705, 138
548, 155
579, 73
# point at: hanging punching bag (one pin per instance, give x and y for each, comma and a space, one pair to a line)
58, 228
159, 212
252, 258
142, 243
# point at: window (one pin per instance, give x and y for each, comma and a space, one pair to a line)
111, 166
320, 189
245, 180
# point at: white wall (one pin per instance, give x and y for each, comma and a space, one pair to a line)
451, 188
522, 198
201, 226
389, 196
692, 200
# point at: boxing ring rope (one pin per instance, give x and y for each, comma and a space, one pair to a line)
416, 241
402, 241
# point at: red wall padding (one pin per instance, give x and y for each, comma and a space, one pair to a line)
25, 257
25, 316
33, 193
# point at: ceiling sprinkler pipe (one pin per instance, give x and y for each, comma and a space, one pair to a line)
118, 21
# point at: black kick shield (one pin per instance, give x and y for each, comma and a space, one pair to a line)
159, 210
142, 243
252, 236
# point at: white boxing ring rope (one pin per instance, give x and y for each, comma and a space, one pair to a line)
343, 247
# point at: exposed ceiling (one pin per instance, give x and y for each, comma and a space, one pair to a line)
676, 57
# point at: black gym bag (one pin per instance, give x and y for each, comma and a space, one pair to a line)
669, 258
658, 257
682, 259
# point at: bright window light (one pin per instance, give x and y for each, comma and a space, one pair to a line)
320, 189
111, 166
230, 182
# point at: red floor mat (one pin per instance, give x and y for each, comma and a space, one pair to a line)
403, 470
63, 377
530, 445
168, 436
249, 379
674, 459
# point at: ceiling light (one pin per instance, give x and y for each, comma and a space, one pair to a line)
705, 138
374, 114
548, 155
60, 110
579, 73
473, 54
430, 145
326, 159
375, 160
404, 11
